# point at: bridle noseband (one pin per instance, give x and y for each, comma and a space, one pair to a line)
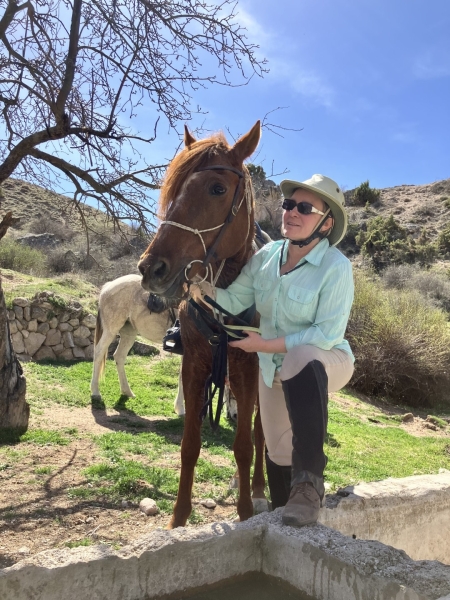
210, 254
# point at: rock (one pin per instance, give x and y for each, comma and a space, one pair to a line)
24, 550
64, 317
89, 520
39, 313
65, 327
45, 353
82, 332
67, 354
43, 328
327, 486
33, 325
124, 504
27, 313
89, 321
39, 240
144, 349
209, 503
53, 337
148, 507
17, 341
11, 315
21, 302
89, 352
74, 322
81, 342
53, 323
18, 311
58, 348
25, 334
407, 417
33, 342
19, 325
431, 426
78, 352
13, 327
68, 339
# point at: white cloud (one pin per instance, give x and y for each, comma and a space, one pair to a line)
434, 63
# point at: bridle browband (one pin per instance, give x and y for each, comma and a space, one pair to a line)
210, 254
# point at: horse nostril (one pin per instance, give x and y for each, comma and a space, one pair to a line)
159, 269
141, 268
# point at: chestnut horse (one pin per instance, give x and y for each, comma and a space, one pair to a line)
207, 211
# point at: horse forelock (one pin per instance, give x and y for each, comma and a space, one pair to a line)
190, 158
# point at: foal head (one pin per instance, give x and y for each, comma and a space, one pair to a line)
204, 207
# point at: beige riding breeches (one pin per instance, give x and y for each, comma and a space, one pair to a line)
274, 415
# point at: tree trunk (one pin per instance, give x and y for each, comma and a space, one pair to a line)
14, 410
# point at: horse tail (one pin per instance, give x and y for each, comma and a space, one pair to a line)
97, 336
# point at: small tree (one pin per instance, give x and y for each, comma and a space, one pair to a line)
74, 73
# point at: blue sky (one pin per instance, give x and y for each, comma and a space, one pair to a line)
367, 81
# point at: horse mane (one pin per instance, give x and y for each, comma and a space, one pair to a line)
189, 159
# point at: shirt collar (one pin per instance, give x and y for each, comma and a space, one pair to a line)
315, 255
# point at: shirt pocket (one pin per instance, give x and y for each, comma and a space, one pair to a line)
300, 294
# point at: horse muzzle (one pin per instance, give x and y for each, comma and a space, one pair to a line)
158, 278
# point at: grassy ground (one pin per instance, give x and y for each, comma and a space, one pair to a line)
364, 443
76, 477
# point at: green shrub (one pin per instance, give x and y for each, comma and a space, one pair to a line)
385, 242
20, 258
401, 345
443, 241
433, 286
364, 194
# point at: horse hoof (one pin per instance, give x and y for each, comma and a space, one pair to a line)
260, 505
96, 397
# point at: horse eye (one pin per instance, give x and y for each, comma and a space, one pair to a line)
217, 190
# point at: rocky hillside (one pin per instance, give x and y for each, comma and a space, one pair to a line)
112, 253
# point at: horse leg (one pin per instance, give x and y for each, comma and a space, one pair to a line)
100, 352
190, 445
243, 447
260, 503
127, 338
178, 405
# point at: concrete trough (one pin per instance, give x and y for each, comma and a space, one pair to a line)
316, 560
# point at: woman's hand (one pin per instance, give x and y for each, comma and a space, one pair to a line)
199, 290
255, 343
252, 343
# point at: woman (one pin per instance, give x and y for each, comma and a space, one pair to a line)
303, 290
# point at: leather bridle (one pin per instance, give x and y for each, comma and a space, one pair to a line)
210, 254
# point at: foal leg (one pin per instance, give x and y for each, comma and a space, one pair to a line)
127, 338
100, 351
178, 405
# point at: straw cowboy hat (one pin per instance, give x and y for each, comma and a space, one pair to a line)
330, 193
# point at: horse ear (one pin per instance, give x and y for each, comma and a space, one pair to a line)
188, 137
247, 144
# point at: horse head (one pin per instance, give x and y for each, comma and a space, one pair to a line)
206, 211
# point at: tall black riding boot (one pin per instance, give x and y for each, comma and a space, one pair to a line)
279, 480
306, 396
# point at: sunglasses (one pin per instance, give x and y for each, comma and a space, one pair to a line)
304, 208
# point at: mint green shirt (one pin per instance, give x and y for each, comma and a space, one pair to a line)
308, 305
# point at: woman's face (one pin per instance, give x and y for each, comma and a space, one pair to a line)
298, 227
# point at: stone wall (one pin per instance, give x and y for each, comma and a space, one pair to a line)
46, 328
